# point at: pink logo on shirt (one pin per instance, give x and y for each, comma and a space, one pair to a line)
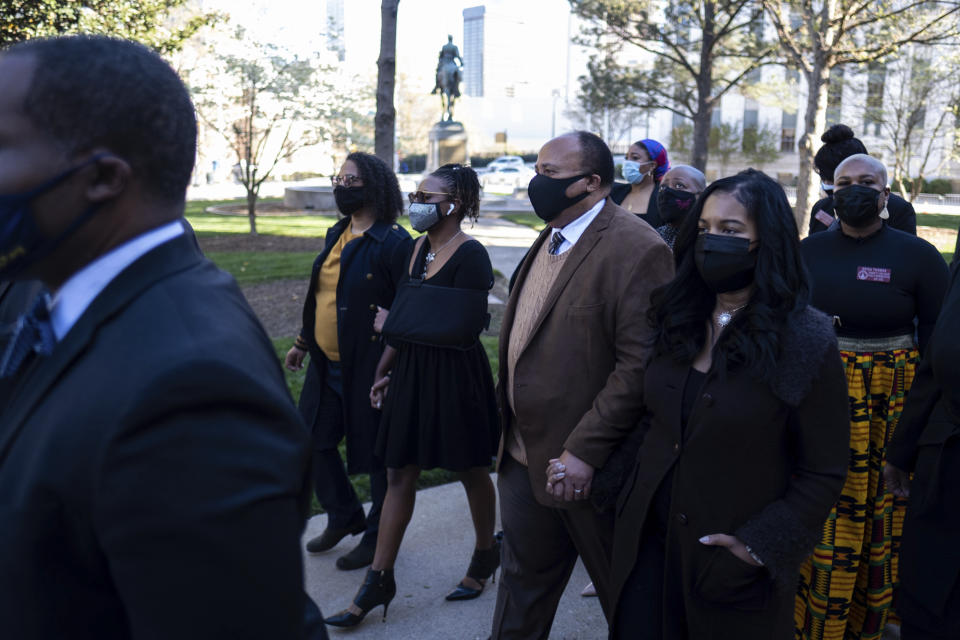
873, 274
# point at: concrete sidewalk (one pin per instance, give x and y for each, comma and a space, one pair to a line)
506, 242
433, 558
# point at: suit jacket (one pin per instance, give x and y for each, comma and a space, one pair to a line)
578, 382
902, 215
763, 460
369, 271
927, 442
153, 469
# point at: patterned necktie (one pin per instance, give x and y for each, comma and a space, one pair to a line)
555, 243
33, 333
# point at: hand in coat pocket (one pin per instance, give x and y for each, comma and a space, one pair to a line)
728, 578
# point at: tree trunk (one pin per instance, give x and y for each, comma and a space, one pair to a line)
701, 137
252, 210
385, 120
814, 122
702, 119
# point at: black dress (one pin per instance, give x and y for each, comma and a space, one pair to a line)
440, 409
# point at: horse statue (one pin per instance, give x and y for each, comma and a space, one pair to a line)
448, 78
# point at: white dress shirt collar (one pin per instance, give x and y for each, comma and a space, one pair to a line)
573, 230
85, 285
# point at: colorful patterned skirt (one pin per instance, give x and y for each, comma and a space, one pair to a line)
846, 587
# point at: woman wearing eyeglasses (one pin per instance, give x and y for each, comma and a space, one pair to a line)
435, 385
350, 278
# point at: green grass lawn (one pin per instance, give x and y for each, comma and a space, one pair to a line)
297, 226
254, 267
938, 220
526, 219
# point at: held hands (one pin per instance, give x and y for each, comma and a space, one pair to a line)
294, 359
380, 319
733, 545
898, 480
379, 391
569, 478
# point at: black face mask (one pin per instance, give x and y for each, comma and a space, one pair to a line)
725, 263
673, 204
857, 205
349, 199
548, 195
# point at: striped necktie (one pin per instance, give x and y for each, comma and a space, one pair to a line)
33, 333
555, 243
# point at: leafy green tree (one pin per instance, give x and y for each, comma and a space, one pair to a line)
761, 145
163, 25
817, 36
701, 49
268, 105
725, 141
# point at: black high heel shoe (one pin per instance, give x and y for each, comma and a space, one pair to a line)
483, 565
378, 588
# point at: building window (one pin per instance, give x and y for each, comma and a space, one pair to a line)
788, 132
873, 115
751, 121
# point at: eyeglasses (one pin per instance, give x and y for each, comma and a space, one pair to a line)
423, 196
348, 180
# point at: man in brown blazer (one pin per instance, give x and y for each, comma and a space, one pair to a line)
572, 348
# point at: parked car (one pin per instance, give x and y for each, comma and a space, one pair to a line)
505, 161
507, 179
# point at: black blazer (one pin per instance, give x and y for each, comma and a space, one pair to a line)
927, 442
369, 272
902, 215
619, 191
153, 469
767, 471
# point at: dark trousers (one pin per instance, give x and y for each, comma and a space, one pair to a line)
334, 491
908, 632
540, 548
640, 608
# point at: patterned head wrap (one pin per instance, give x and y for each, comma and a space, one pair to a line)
658, 153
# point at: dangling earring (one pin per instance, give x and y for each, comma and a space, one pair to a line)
884, 215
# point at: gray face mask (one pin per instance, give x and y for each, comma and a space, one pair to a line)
424, 215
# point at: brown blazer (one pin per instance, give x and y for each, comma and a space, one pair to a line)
579, 379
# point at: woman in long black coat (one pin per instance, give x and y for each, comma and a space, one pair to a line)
747, 446
350, 278
927, 443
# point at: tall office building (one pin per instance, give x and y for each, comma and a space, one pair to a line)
473, 19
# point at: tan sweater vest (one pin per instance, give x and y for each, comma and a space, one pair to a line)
533, 293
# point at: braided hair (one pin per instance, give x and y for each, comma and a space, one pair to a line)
380, 186
464, 186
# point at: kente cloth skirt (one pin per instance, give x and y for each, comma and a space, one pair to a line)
846, 588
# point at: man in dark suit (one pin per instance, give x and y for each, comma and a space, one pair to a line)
577, 313
152, 463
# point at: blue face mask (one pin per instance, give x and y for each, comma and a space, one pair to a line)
21, 243
631, 171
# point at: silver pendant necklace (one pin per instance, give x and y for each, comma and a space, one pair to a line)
432, 255
724, 317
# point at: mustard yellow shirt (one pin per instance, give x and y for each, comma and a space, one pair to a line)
325, 321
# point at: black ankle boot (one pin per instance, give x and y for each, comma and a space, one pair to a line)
378, 588
483, 565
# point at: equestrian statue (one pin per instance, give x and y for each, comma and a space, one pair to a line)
449, 76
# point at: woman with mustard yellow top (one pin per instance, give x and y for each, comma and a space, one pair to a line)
351, 277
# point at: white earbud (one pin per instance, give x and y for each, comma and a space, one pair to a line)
450, 210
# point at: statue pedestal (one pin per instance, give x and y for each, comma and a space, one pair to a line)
448, 143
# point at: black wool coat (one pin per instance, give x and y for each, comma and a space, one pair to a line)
927, 442
762, 460
369, 272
